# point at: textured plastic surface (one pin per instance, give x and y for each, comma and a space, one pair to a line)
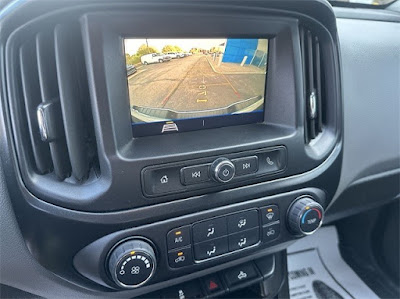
371, 92
367, 14
14, 254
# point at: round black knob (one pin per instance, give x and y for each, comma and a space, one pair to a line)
305, 216
132, 263
222, 170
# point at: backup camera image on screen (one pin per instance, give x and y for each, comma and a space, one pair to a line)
188, 84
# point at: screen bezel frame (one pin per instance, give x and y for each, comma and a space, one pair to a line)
103, 33
107, 45
142, 129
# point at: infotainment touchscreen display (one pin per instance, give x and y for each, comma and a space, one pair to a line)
178, 85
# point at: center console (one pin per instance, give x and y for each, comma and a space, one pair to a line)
196, 242
173, 144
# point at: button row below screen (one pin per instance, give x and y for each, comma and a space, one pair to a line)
159, 180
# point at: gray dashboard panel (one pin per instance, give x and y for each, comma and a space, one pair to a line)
18, 268
371, 83
370, 58
367, 14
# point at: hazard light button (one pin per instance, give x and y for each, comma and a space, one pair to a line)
213, 285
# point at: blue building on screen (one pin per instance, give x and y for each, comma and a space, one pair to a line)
254, 49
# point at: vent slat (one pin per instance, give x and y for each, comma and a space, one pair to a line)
69, 64
49, 93
32, 99
303, 63
312, 85
52, 107
318, 84
310, 60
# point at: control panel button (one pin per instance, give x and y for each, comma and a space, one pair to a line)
179, 237
272, 161
240, 274
244, 239
209, 229
242, 221
209, 249
246, 165
190, 289
161, 181
195, 174
311, 220
269, 214
132, 263
223, 170
271, 232
185, 176
213, 285
180, 258
305, 216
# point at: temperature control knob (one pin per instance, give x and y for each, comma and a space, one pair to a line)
132, 263
305, 216
222, 170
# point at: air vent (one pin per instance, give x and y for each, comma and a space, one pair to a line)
55, 105
313, 84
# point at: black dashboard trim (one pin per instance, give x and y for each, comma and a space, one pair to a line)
71, 229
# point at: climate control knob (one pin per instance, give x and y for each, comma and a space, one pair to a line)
222, 170
305, 216
132, 263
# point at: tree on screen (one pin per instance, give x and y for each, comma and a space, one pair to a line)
168, 48
134, 59
144, 49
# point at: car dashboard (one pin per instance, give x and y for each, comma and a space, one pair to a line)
187, 173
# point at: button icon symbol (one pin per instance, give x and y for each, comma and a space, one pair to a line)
311, 221
270, 215
196, 174
178, 240
169, 127
181, 294
213, 285
164, 179
246, 165
269, 161
180, 259
210, 232
242, 275
135, 270
242, 222
211, 252
242, 242
270, 232
226, 172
